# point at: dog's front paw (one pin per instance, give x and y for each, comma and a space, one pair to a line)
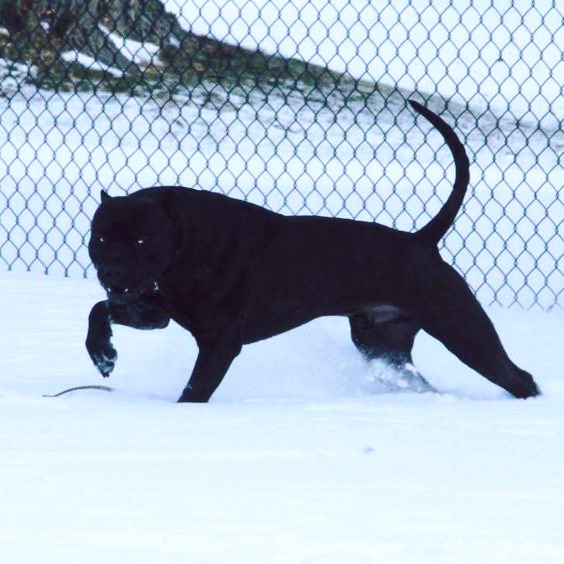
104, 357
106, 361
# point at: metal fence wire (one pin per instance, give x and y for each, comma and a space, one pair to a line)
298, 106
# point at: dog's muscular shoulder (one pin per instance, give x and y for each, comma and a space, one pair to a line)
176, 237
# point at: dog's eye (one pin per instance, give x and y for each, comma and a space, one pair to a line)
141, 241
101, 239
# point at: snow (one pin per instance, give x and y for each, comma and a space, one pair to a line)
294, 460
142, 54
89, 62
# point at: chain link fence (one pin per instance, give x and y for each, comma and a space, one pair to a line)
300, 107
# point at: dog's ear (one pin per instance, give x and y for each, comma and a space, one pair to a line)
104, 196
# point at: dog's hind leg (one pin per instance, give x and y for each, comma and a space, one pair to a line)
448, 311
385, 333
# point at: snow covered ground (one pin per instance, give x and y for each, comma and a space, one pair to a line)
299, 458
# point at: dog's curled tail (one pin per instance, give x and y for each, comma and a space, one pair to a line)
436, 229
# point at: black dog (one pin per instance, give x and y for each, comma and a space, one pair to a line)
234, 273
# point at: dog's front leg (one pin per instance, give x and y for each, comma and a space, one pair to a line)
214, 359
147, 312
98, 338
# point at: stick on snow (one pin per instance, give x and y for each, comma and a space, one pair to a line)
91, 387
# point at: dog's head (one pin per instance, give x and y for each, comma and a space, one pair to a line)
132, 243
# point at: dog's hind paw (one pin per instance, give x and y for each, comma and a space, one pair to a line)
388, 378
524, 387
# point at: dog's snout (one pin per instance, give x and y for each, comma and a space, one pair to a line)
112, 278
